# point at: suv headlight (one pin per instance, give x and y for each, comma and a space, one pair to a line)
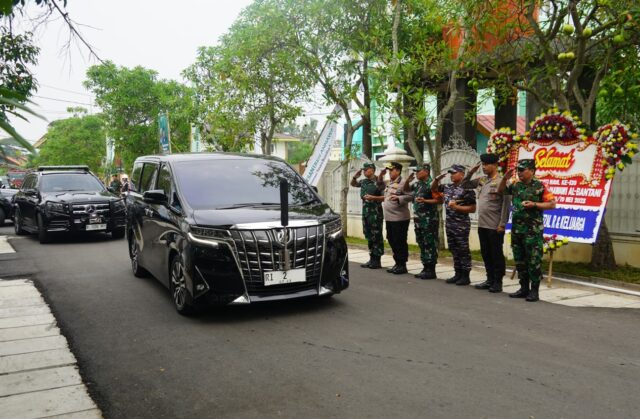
210, 233
333, 228
118, 205
55, 207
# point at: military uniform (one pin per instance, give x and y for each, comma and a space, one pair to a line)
526, 231
457, 228
116, 185
372, 217
425, 221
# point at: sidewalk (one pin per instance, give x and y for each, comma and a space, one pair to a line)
38, 373
562, 291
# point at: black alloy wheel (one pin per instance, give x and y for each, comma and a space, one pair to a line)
17, 223
43, 235
178, 287
134, 253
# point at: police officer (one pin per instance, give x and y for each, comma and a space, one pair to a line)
371, 195
395, 206
493, 212
530, 199
425, 219
459, 203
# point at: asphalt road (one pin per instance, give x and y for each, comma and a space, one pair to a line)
387, 347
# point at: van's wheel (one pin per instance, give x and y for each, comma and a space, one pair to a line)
178, 287
117, 233
134, 254
43, 235
17, 223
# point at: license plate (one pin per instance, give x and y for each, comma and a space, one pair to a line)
96, 227
96, 220
285, 277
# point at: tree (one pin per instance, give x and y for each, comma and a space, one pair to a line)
132, 100
569, 47
76, 140
249, 83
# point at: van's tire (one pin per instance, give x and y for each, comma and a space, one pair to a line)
17, 223
117, 233
178, 287
134, 253
43, 235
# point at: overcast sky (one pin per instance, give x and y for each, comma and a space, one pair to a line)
158, 35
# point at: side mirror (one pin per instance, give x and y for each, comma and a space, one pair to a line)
155, 196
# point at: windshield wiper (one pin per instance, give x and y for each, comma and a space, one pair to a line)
250, 204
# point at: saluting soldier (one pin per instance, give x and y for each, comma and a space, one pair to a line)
395, 205
459, 203
425, 219
115, 184
530, 199
372, 217
493, 213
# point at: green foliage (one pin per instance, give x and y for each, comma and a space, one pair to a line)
249, 82
299, 152
75, 140
131, 100
624, 106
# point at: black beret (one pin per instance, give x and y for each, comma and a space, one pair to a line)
489, 158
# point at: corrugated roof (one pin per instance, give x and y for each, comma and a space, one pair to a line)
486, 124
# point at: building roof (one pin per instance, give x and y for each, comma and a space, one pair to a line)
285, 138
486, 124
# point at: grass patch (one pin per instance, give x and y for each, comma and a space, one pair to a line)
627, 274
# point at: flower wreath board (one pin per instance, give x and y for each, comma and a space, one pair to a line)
577, 168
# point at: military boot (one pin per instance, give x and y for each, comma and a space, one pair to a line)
430, 271
422, 273
400, 269
497, 285
393, 268
533, 294
374, 263
454, 278
523, 291
368, 264
486, 284
464, 278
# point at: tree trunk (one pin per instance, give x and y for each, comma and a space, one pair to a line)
367, 148
602, 256
344, 178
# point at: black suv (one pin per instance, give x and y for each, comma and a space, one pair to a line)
209, 227
66, 199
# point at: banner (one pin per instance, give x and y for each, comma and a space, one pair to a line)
318, 160
165, 136
578, 169
196, 145
574, 174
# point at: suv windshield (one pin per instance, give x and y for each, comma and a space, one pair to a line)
60, 182
233, 183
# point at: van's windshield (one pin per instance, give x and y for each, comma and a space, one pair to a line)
217, 184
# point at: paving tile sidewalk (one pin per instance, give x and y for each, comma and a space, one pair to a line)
38, 373
568, 294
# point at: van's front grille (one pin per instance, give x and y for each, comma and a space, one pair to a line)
261, 251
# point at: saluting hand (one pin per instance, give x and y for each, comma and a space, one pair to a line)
474, 168
358, 173
440, 177
411, 177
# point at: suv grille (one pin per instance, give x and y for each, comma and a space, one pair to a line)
261, 251
83, 209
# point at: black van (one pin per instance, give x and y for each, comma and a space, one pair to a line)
209, 227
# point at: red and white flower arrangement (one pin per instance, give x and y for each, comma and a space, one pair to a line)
617, 146
500, 143
554, 125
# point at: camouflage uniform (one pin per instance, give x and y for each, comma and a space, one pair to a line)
458, 225
372, 217
526, 228
425, 222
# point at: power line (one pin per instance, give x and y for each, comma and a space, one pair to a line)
65, 90
65, 101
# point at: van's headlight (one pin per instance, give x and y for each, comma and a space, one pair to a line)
333, 228
210, 233
55, 207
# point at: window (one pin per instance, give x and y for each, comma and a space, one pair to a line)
135, 177
148, 175
70, 182
164, 180
29, 182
